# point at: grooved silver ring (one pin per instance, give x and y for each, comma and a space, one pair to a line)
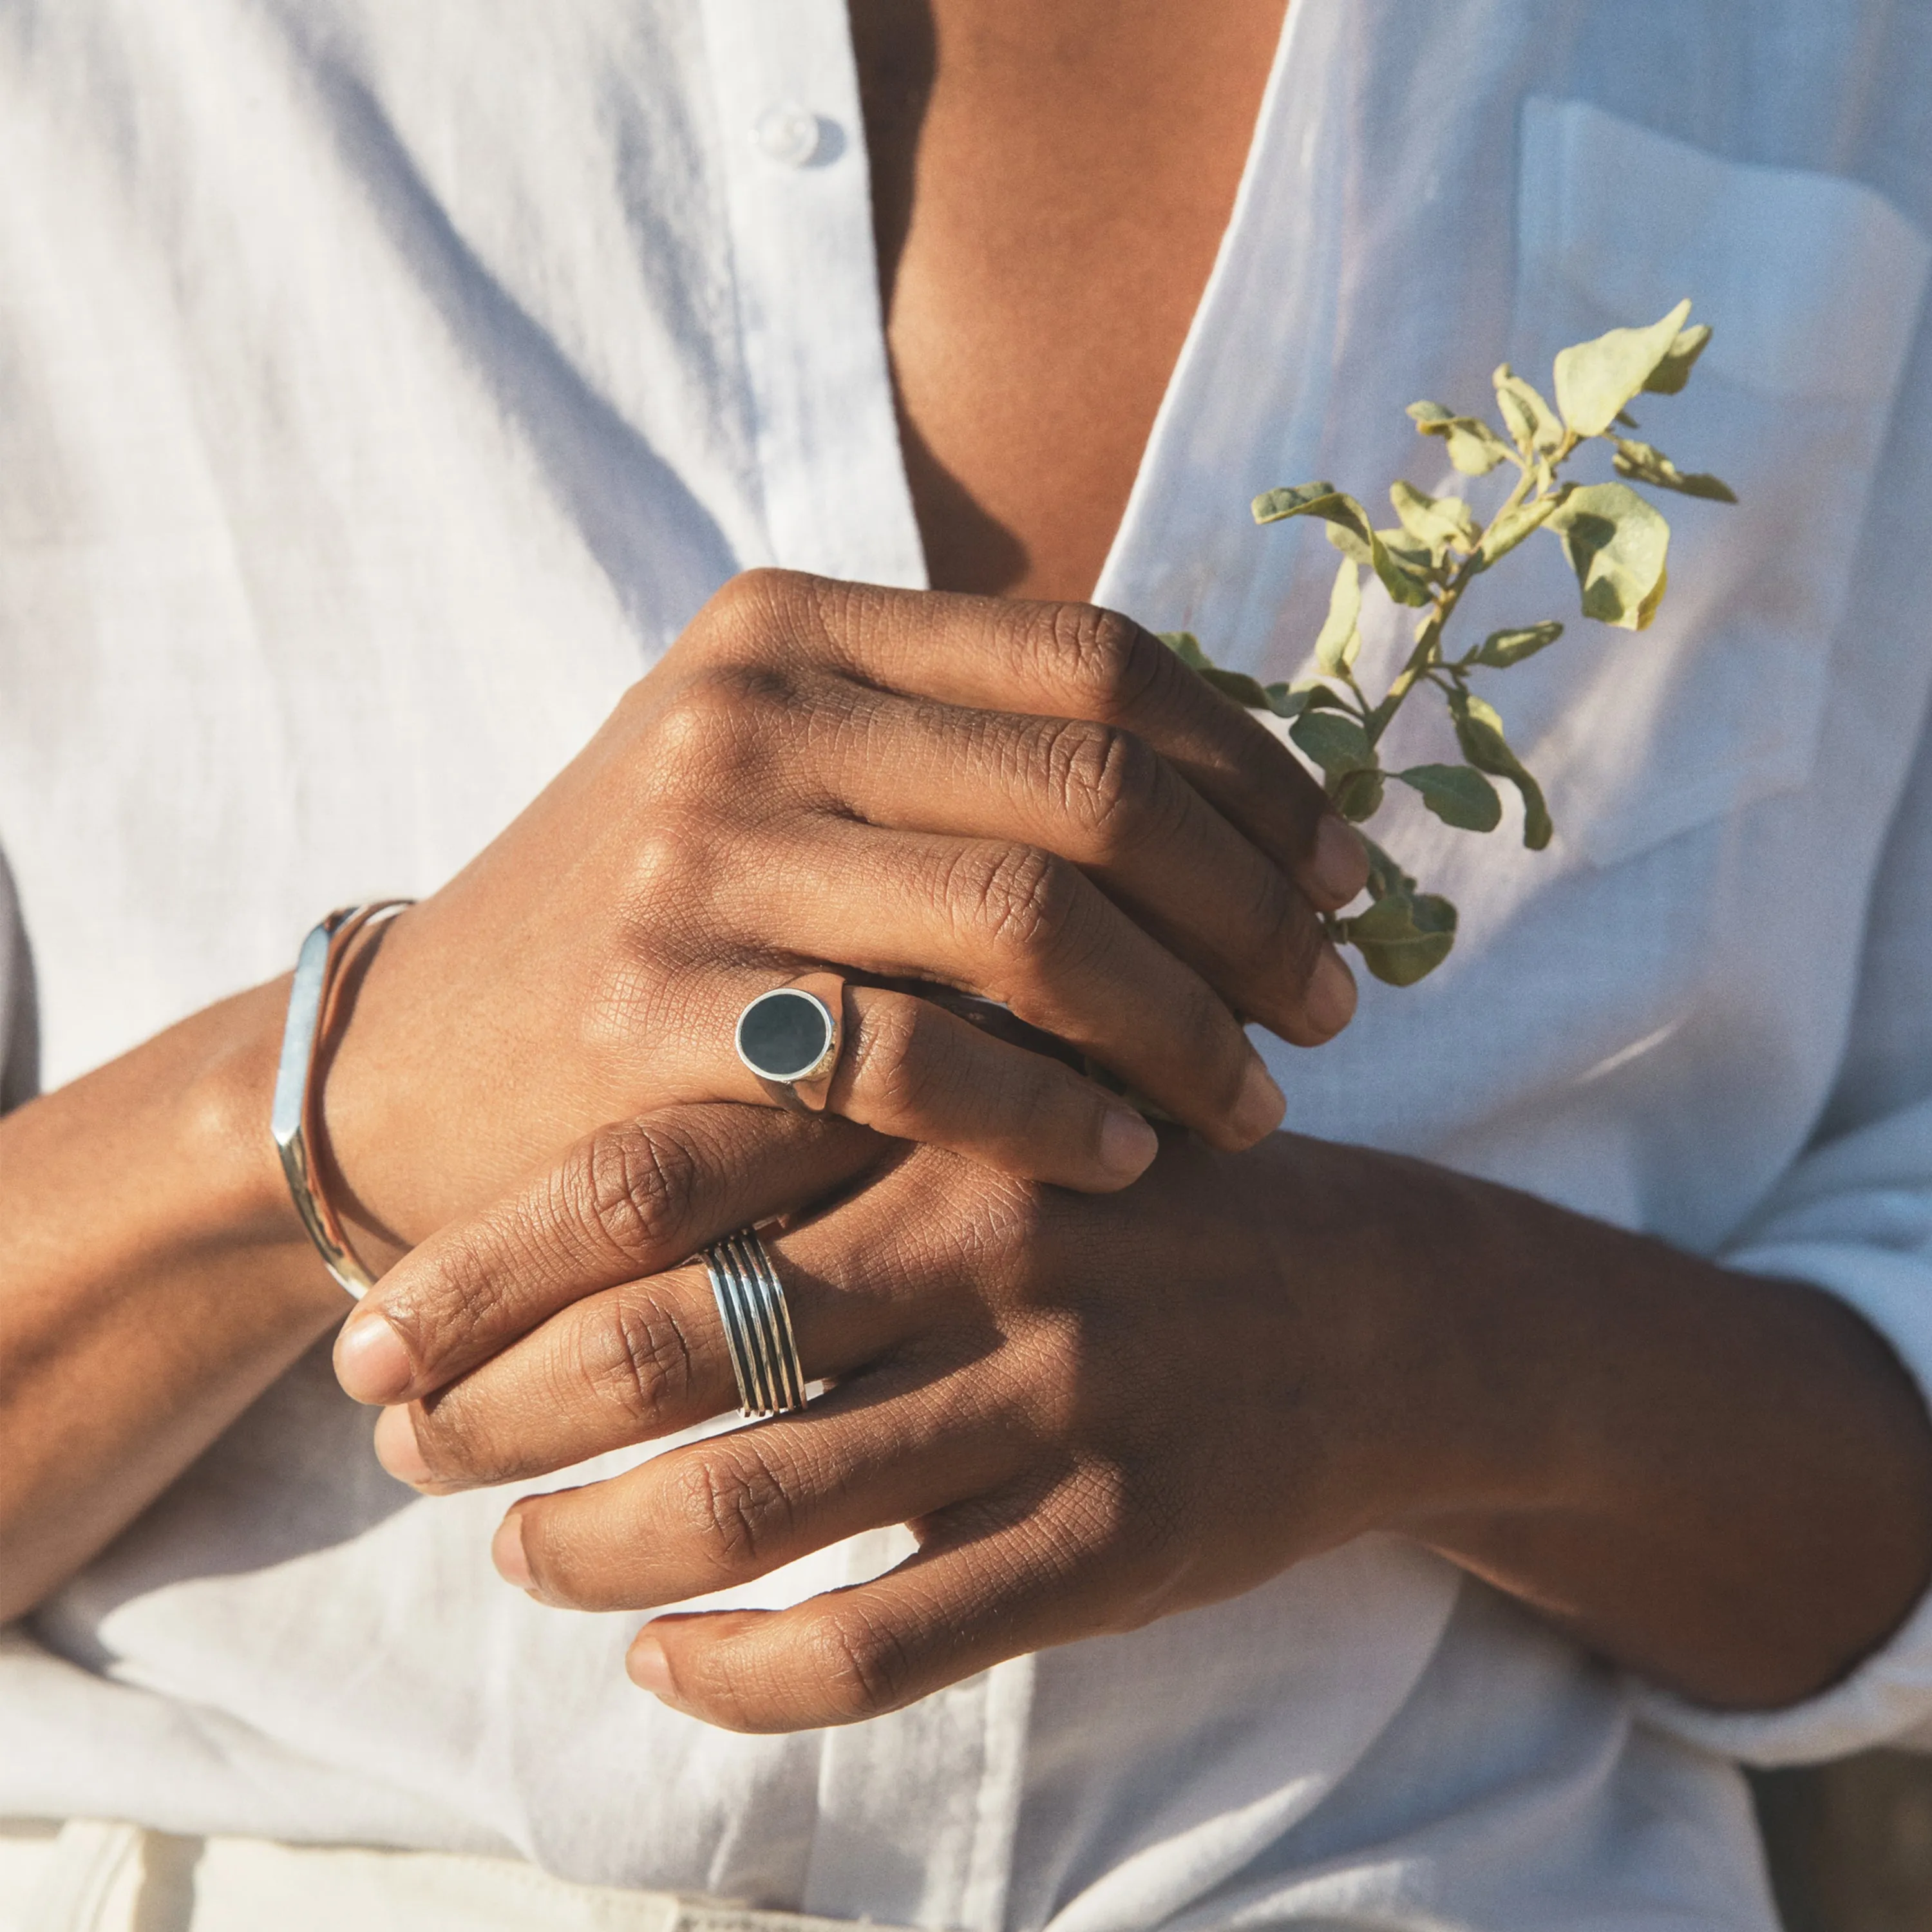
757, 1326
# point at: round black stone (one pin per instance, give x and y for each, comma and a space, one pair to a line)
784, 1034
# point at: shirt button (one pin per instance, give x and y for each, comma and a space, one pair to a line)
788, 134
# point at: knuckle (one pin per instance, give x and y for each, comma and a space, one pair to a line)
639, 1358
890, 1060
1057, 1387
1107, 662
1107, 781
440, 1316
708, 728
1101, 1523
731, 1506
747, 604
668, 850
863, 1664
1020, 900
631, 1186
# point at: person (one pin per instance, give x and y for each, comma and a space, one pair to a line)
679, 492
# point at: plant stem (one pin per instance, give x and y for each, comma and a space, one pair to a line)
1427, 654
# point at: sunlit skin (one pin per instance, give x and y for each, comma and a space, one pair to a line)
1050, 1368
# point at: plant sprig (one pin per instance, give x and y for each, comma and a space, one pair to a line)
1617, 543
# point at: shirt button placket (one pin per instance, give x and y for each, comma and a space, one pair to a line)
789, 134
793, 159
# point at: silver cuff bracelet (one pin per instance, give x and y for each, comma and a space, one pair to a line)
311, 997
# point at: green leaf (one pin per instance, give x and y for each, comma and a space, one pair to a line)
1480, 733
1617, 545
1404, 934
1531, 420
1674, 371
1186, 647
1341, 636
1458, 795
1511, 528
1414, 562
1385, 876
1438, 524
1594, 379
1291, 700
1402, 937
1336, 744
1398, 568
1312, 500
1357, 795
1645, 463
1357, 547
1350, 531
1502, 648
1474, 449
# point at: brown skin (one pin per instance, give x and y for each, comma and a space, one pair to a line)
1096, 1410
814, 774
1516, 1386
1049, 186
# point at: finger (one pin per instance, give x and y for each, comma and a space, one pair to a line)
647, 1356
993, 1580
911, 1069
1066, 661
908, 1068
1100, 795
629, 1200
622, 1365
1023, 926
893, 1444
627, 1364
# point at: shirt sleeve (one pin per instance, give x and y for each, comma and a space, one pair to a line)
20, 1030
1854, 1216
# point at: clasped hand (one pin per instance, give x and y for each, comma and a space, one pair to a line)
1076, 1399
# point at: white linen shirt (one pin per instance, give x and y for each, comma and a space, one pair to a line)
382, 387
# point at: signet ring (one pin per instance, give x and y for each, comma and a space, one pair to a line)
790, 1038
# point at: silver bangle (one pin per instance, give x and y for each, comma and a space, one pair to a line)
311, 999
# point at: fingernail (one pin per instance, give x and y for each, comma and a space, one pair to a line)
1340, 867
371, 1362
1260, 1104
1128, 1144
647, 1666
1330, 1005
397, 1448
506, 1551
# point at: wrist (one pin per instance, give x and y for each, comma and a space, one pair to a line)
182, 1124
1437, 1311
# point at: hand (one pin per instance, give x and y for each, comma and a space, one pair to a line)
1032, 802
1094, 1411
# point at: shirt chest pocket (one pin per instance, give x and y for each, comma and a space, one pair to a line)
1813, 286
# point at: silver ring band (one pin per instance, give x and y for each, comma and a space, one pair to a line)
757, 1326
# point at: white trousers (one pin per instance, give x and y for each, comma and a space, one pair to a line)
91, 1876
